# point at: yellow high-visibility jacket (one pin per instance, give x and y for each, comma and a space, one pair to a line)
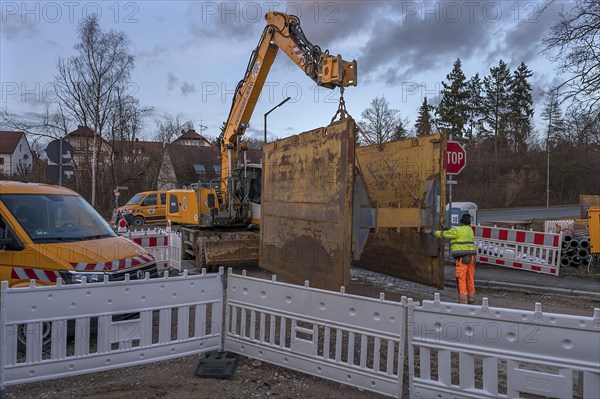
462, 240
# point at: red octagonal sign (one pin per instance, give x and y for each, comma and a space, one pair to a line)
456, 158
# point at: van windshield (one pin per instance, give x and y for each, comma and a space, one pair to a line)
135, 199
51, 218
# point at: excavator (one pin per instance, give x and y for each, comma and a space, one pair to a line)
215, 216
319, 202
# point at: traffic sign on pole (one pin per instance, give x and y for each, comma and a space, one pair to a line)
456, 158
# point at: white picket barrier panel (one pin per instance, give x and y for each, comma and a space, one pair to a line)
175, 248
520, 249
163, 244
469, 351
556, 226
69, 312
317, 332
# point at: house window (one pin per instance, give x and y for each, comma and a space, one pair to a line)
217, 168
199, 168
25, 156
1, 161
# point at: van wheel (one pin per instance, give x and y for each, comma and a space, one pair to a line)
22, 337
137, 221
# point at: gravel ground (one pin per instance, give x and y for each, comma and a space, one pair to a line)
255, 379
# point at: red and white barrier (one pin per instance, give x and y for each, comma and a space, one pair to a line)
163, 244
520, 249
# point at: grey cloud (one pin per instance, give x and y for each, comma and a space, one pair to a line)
187, 89
171, 81
184, 88
324, 22
153, 54
422, 36
13, 27
415, 46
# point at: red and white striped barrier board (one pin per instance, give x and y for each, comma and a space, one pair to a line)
114, 265
163, 244
520, 249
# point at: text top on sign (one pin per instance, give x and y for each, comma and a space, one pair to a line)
456, 158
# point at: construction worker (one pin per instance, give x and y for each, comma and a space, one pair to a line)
462, 247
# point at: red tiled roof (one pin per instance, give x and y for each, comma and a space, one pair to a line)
148, 147
191, 135
9, 141
83, 131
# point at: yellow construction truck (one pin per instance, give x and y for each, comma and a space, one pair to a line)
320, 202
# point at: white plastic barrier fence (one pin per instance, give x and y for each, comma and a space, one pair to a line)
556, 226
66, 330
454, 350
520, 249
163, 244
468, 351
349, 339
175, 248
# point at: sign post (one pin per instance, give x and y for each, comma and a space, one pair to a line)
61, 153
456, 160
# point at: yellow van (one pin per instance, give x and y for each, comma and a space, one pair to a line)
47, 232
145, 207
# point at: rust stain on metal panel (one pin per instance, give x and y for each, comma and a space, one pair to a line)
306, 221
396, 175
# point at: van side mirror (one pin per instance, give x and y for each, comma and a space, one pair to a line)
210, 200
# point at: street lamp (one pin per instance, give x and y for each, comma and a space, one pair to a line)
271, 110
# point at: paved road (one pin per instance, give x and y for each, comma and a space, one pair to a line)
568, 211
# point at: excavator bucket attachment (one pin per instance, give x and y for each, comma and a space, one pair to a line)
229, 249
407, 183
306, 222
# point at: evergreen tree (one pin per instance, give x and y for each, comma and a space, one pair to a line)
521, 108
555, 123
496, 104
452, 110
475, 107
400, 132
423, 124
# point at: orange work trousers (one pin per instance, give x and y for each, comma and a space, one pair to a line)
465, 279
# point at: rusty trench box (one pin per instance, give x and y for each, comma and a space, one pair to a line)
316, 185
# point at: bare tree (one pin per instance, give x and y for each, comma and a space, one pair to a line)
169, 126
575, 43
88, 83
380, 123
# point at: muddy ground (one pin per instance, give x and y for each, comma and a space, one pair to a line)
255, 379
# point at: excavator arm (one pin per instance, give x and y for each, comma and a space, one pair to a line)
283, 32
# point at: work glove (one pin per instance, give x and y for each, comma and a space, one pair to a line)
427, 231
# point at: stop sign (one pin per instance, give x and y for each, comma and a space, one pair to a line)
456, 158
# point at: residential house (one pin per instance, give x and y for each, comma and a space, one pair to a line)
82, 140
185, 164
192, 138
16, 157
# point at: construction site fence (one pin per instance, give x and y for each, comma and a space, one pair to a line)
519, 249
452, 350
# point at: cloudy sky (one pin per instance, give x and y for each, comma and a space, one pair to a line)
190, 54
